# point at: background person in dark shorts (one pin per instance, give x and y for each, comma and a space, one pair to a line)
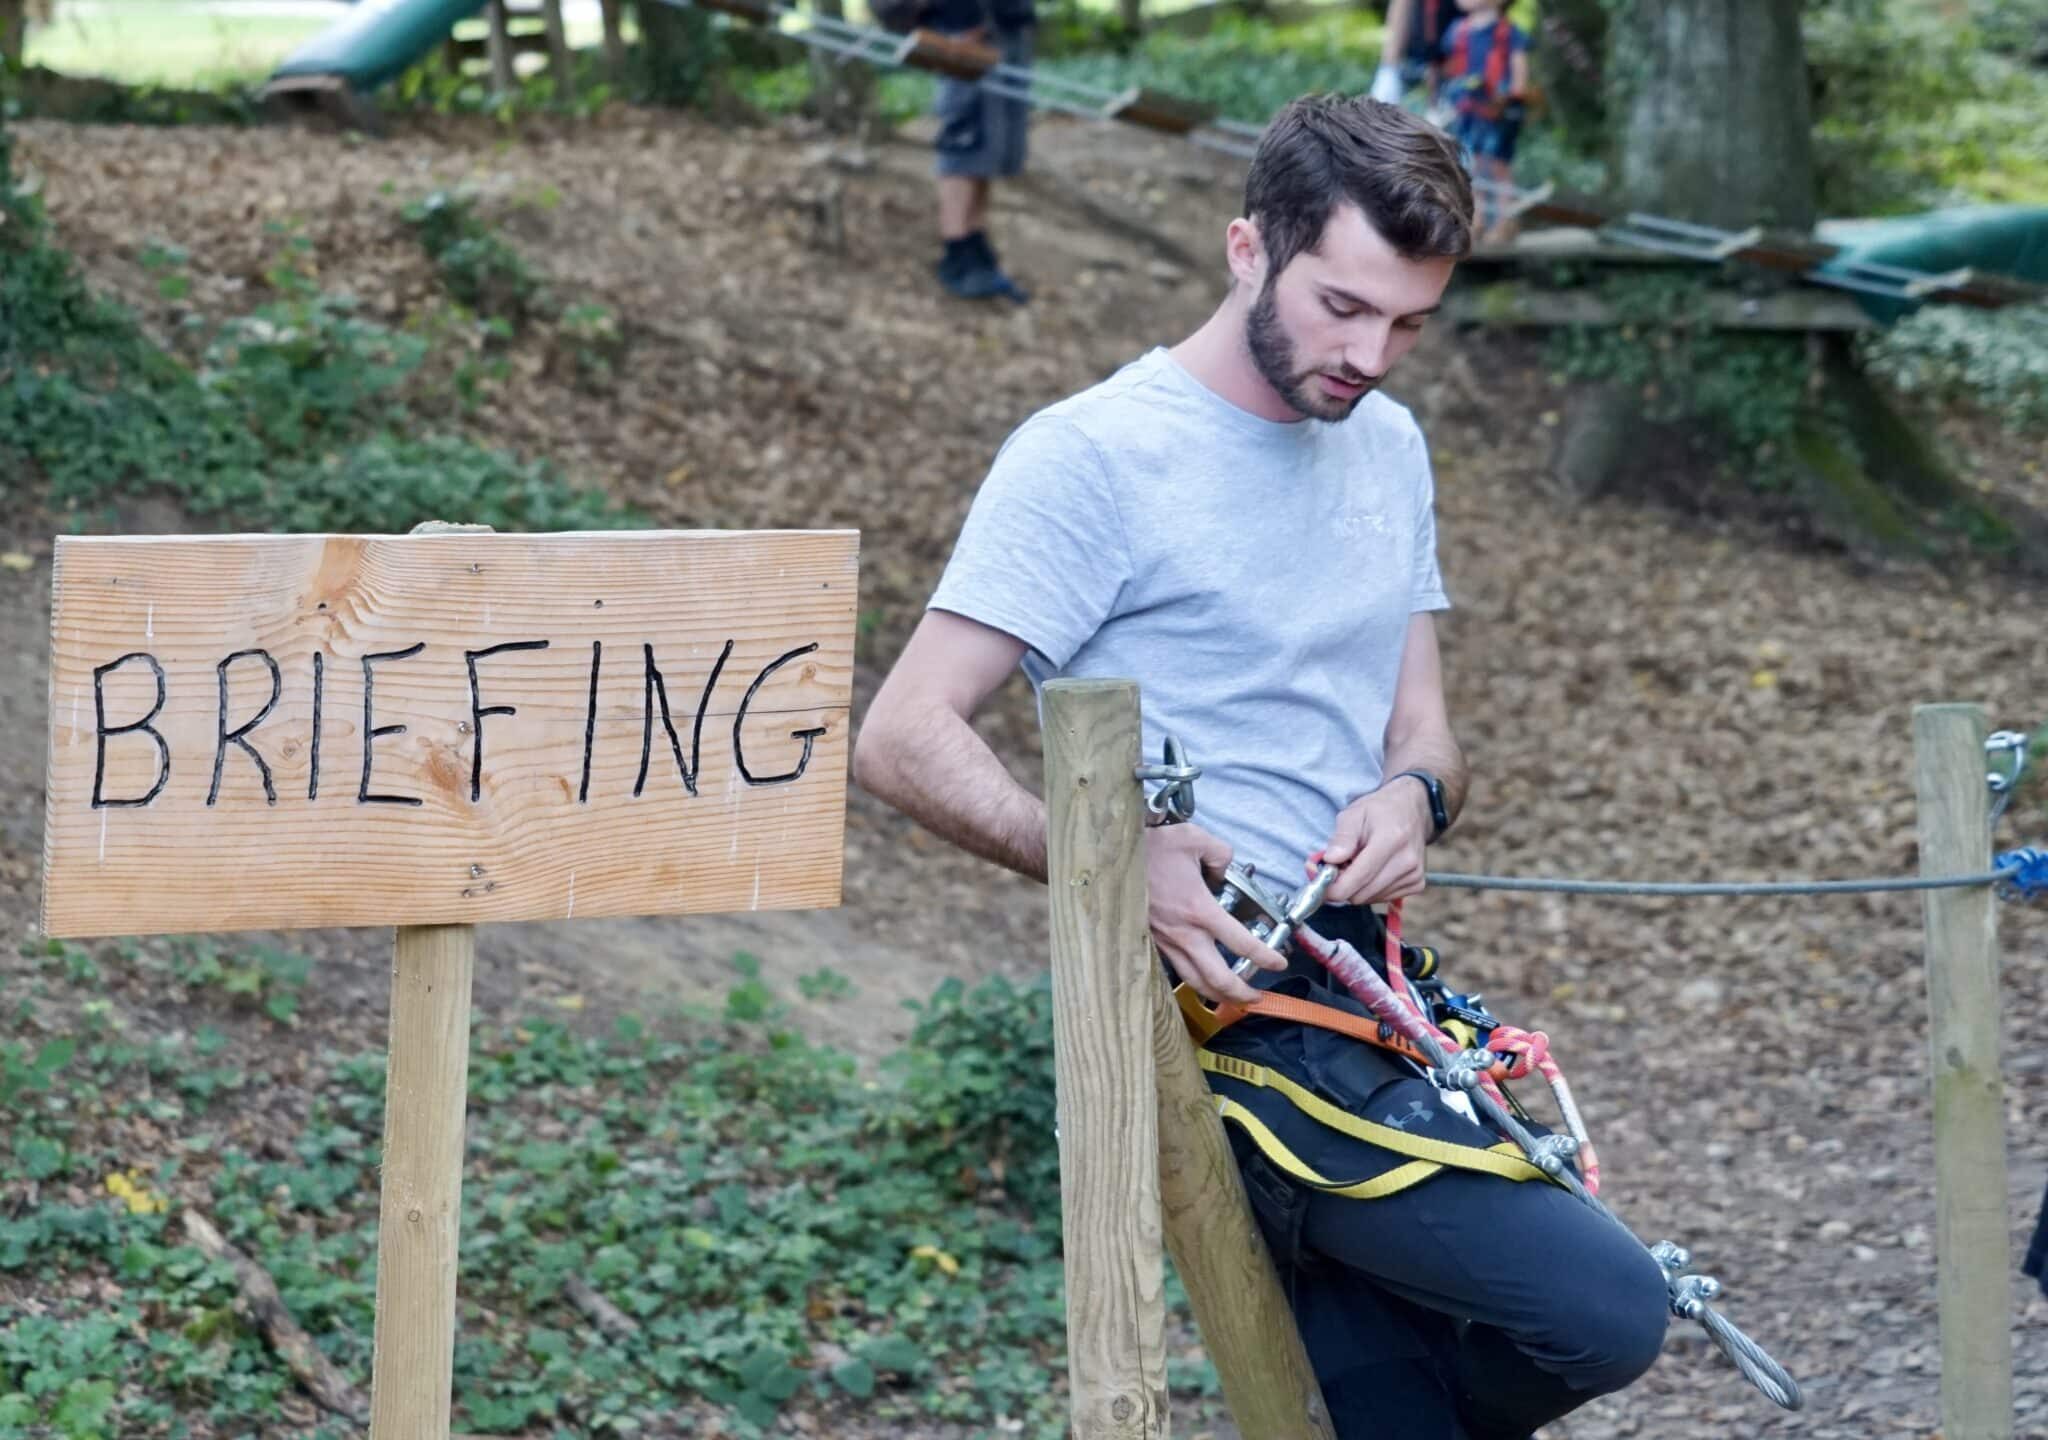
1410, 46
981, 139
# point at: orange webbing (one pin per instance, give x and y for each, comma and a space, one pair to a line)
1205, 1024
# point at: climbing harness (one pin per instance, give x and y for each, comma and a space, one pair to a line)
1454, 1041
1487, 95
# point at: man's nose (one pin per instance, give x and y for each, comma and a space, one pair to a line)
1369, 347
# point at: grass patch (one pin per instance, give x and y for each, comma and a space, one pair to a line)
143, 42
294, 417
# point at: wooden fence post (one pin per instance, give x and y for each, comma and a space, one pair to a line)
419, 1206
1102, 1052
1239, 1307
1971, 1245
1141, 1145
419, 1220
498, 45
561, 62
614, 36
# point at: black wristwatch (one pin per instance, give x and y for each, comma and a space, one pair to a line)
1439, 817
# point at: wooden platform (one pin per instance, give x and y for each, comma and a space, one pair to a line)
1517, 304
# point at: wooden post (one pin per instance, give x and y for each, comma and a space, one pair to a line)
560, 63
1102, 1048
1239, 1307
419, 1207
420, 1217
1971, 1245
614, 36
498, 44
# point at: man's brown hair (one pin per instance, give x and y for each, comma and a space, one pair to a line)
1400, 170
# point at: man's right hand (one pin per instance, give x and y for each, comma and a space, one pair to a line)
1183, 865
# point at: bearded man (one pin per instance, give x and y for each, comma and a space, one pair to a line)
1246, 527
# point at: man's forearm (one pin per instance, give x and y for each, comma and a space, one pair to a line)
937, 770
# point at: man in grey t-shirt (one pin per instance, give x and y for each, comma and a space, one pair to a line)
1245, 528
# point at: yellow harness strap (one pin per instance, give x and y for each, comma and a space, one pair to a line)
1379, 1187
1505, 1159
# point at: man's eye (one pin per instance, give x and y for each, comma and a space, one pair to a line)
1342, 312
1413, 322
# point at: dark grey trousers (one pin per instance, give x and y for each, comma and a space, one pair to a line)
1467, 1307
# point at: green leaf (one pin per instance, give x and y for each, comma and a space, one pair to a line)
856, 1377
40, 1157
54, 1057
893, 1354
84, 1407
760, 1369
547, 1344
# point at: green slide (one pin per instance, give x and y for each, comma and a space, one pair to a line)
2007, 240
376, 42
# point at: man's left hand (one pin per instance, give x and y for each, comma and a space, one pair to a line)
1378, 845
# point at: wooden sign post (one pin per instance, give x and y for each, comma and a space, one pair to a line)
429, 731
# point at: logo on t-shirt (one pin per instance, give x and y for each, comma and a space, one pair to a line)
1360, 522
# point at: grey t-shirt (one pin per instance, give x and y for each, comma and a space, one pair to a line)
1256, 579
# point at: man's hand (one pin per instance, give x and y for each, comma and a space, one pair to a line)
1378, 845
1183, 864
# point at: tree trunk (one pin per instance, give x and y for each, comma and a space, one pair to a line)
1571, 41
13, 30
1129, 15
1710, 96
614, 37
677, 52
498, 45
561, 61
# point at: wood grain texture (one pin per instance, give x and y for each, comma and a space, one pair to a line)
1972, 1246
1240, 1309
419, 1217
539, 840
1102, 1050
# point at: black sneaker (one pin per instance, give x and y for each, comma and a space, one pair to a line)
972, 281
985, 254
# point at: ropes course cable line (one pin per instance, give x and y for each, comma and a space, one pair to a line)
2014, 869
2019, 874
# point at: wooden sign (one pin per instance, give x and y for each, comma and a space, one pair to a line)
258, 732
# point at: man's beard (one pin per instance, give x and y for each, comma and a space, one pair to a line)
1272, 351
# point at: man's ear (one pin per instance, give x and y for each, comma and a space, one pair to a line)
1244, 250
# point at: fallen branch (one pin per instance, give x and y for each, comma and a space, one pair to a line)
261, 1302
607, 1317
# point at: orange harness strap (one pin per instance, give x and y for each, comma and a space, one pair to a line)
1205, 1024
